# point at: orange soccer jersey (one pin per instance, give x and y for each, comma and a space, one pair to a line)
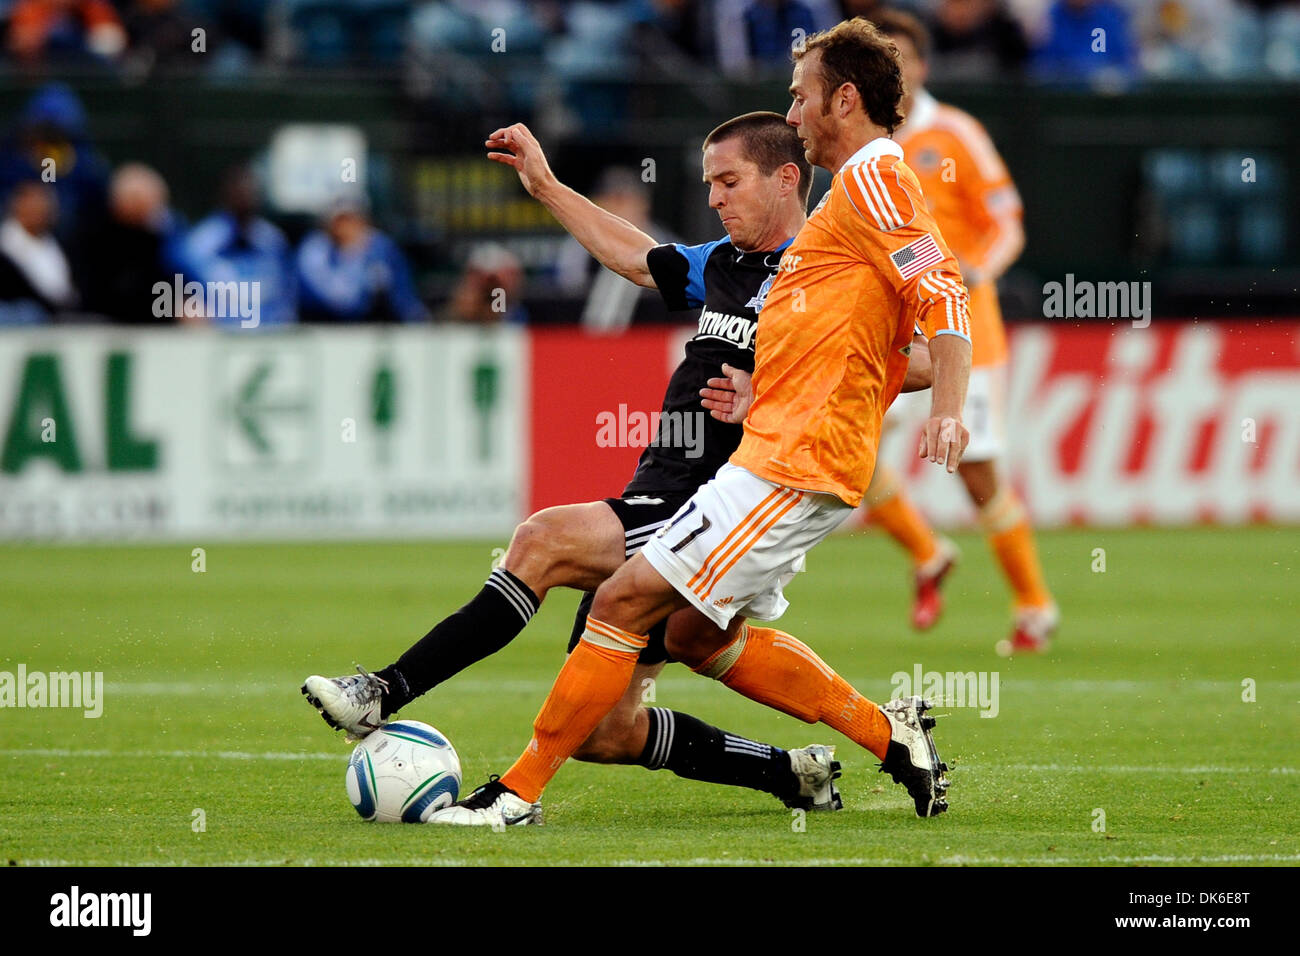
868, 267
969, 191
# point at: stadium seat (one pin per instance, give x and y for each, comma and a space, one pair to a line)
437, 26
1245, 56
382, 29
322, 31
1282, 54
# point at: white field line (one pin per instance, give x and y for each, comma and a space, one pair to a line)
1108, 768
179, 754
341, 754
682, 684
962, 860
957, 860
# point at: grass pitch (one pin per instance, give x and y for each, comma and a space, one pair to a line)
1130, 744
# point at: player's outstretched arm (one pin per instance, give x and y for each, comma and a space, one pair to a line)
944, 438
617, 244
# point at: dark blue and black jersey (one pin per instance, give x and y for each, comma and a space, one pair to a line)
728, 287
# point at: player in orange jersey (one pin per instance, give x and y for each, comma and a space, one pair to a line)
868, 267
969, 191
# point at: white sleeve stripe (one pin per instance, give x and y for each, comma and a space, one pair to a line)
963, 300
889, 200
849, 195
868, 184
954, 296
875, 214
928, 285
952, 332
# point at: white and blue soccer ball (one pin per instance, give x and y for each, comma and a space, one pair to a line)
402, 773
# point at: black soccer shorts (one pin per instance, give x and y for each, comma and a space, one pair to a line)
641, 516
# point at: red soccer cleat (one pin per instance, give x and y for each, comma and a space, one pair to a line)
1032, 631
929, 576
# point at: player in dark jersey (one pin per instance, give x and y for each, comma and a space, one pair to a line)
758, 182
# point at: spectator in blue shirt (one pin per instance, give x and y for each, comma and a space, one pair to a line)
235, 244
51, 143
1087, 40
349, 271
760, 33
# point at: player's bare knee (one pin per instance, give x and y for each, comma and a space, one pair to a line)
692, 640
537, 550
614, 597
681, 647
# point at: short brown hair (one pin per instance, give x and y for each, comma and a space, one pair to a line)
900, 23
769, 143
854, 51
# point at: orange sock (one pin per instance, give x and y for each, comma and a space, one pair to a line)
1012, 539
589, 685
783, 672
890, 508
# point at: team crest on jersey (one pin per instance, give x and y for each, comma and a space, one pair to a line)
821, 202
927, 160
760, 297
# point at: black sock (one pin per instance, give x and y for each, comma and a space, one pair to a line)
482, 627
693, 749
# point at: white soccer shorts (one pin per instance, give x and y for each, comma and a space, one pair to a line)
985, 413
740, 539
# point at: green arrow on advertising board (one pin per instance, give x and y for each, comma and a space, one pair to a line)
250, 407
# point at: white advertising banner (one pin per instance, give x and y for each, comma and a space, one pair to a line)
174, 434
1177, 423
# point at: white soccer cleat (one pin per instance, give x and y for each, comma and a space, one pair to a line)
352, 704
817, 770
491, 805
911, 758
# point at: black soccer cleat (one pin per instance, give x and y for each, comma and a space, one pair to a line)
816, 770
912, 759
492, 805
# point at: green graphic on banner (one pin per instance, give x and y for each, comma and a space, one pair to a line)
41, 425
486, 376
383, 405
251, 407
126, 451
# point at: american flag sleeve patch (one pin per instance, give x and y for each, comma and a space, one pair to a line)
917, 256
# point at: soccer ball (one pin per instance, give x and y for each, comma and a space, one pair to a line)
402, 773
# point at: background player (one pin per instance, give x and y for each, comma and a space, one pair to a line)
867, 268
758, 182
969, 191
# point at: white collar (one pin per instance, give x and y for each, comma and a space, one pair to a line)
924, 108
880, 146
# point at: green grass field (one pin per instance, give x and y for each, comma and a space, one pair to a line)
1137, 713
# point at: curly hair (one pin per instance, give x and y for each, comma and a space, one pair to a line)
855, 52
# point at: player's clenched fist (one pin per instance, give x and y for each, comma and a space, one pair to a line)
525, 157
943, 441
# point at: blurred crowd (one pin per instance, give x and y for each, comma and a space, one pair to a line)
106, 242
90, 241
577, 40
